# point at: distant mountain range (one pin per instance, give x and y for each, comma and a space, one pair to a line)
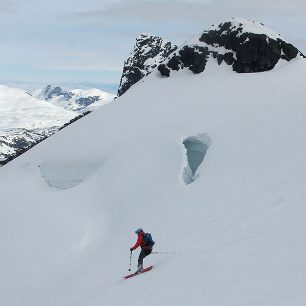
79, 100
26, 119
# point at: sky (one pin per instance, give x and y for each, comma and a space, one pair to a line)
84, 43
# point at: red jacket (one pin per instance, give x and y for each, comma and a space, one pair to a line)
140, 242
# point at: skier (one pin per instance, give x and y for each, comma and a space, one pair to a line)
146, 243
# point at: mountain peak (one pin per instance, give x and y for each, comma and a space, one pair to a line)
247, 46
145, 36
149, 51
245, 26
51, 91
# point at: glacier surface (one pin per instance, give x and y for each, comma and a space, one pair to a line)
232, 237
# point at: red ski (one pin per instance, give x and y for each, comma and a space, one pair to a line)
134, 274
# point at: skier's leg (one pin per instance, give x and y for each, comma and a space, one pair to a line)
147, 252
142, 255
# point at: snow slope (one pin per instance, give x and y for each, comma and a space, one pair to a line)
232, 236
18, 109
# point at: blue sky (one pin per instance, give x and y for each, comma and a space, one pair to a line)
84, 43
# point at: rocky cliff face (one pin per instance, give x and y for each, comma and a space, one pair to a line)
14, 142
245, 45
148, 53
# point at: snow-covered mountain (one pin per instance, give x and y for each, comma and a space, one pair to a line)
25, 121
16, 141
213, 165
148, 53
80, 100
247, 46
20, 110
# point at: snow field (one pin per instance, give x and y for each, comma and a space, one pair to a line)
235, 235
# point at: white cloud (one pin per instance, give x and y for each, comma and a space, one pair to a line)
99, 34
8, 7
178, 17
193, 10
148, 11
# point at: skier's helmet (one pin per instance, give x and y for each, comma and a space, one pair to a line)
139, 230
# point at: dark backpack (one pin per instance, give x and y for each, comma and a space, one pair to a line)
147, 238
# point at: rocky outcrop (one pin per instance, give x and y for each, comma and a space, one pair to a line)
245, 45
148, 53
195, 58
14, 142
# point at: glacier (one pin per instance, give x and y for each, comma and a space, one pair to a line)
234, 236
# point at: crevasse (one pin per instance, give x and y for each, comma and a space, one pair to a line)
196, 149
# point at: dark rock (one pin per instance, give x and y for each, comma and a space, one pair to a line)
175, 63
187, 56
199, 61
148, 53
164, 70
194, 57
220, 58
228, 58
254, 52
133, 75
247, 52
289, 51
214, 54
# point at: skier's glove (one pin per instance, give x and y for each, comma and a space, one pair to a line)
131, 249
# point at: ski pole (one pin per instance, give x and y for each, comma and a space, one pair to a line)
130, 261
